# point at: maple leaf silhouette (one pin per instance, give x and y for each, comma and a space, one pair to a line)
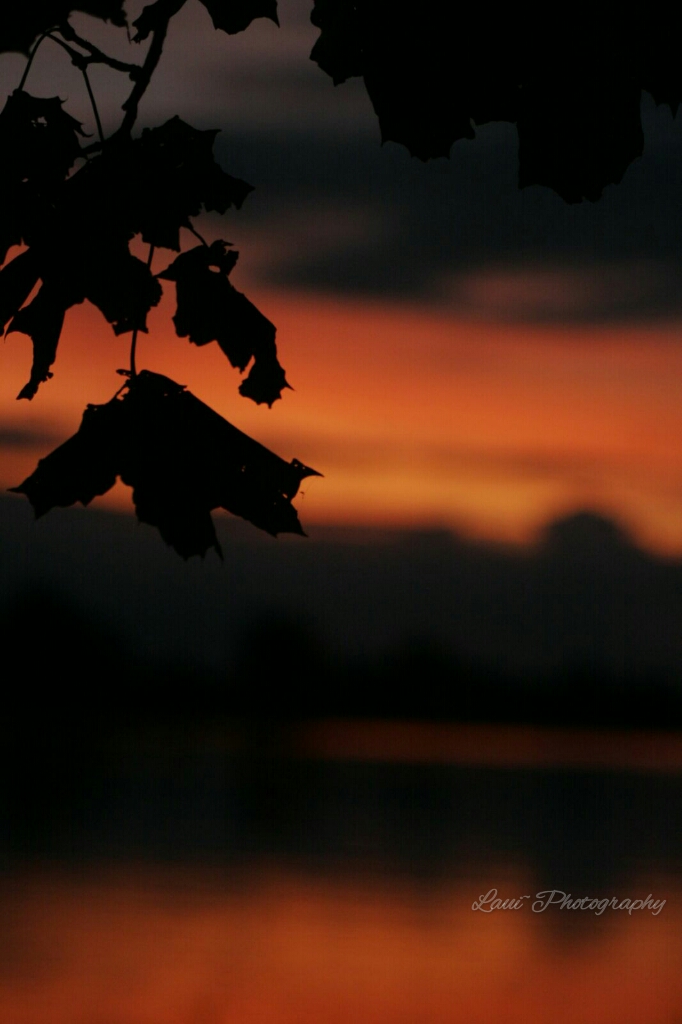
39, 145
17, 281
15, 210
72, 269
22, 23
173, 175
156, 183
42, 320
229, 15
211, 309
77, 255
81, 468
576, 136
660, 65
339, 50
236, 15
182, 460
408, 65
154, 16
38, 139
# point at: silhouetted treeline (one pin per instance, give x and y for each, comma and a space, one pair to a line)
79, 795
81, 671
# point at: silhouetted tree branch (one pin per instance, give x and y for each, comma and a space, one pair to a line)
575, 101
95, 55
181, 459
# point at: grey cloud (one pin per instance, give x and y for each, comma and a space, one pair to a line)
433, 230
12, 436
533, 293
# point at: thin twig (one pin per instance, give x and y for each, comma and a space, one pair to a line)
133, 343
94, 105
22, 83
195, 232
96, 56
133, 349
132, 104
79, 59
142, 78
81, 62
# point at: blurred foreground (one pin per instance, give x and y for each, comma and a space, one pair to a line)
319, 871
271, 790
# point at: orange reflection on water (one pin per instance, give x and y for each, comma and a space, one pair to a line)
490, 745
152, 947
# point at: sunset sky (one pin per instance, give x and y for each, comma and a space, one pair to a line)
462, 354
467, 361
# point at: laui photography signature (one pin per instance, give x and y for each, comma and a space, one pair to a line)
564, 901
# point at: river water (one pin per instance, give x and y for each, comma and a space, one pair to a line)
327, 872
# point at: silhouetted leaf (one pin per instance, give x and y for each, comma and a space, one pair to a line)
83, 467
39, 145
266, 379
230, 15
236, 15
211, 309
74, 267
38, 140
78, 241
13, 219
413, 74
658, 58
42, 320
153, 16
17, 281
122, 288
426, 80
22, 23
155, 184
182, 460
173, 175
338, 51
577, 135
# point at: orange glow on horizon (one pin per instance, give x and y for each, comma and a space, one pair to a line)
416, 418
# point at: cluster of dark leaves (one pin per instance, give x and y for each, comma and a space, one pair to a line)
433, 72
78, 231
182, 460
